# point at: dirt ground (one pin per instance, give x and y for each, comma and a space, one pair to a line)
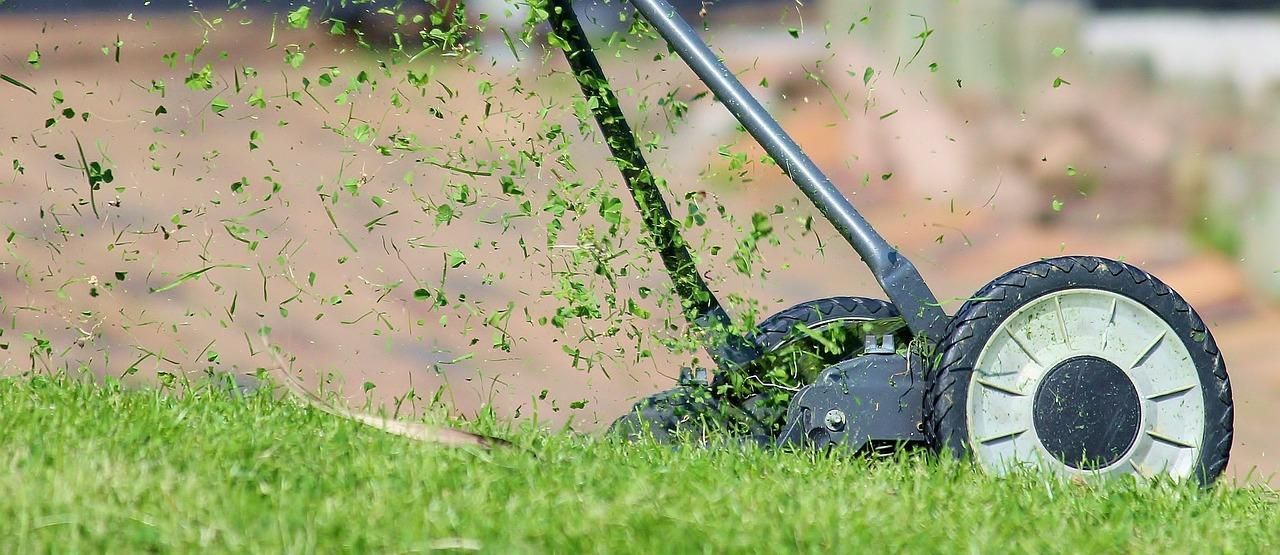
89, 283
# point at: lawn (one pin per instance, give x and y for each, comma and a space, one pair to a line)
91, 468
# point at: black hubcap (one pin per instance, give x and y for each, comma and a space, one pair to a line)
1087, 412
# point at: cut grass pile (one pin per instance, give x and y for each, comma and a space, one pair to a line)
88, 468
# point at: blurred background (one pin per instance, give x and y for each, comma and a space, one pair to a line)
255, 171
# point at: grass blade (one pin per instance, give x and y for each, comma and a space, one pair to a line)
84, 165
17, 83
193, 275
442, 435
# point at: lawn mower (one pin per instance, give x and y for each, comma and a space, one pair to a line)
1078, 365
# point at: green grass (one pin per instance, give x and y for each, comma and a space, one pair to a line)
91, 469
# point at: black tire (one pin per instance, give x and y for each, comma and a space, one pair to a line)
693, 410
775, 331
946, 403
687, 413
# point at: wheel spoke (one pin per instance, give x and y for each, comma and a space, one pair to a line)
1169, 439
1024, 348
1001, 388
1062, 321
1151, 347
1171, 392
1141, 470
1007, 435
1111, 322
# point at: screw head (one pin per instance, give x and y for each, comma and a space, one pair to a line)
835, 420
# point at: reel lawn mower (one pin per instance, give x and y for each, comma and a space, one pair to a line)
1079, 365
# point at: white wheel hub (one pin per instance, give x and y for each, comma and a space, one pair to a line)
1070, 336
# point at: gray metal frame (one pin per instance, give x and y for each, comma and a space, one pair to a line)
898, 277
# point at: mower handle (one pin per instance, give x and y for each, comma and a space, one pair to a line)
898, 277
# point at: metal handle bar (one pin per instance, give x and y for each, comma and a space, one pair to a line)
897, 276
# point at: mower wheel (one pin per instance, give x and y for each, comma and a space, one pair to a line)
1086, 367
782, 332
687, 413
778, 330
693, 412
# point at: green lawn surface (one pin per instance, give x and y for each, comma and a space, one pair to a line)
93, 468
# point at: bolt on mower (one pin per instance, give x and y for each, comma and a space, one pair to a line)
1079, 365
